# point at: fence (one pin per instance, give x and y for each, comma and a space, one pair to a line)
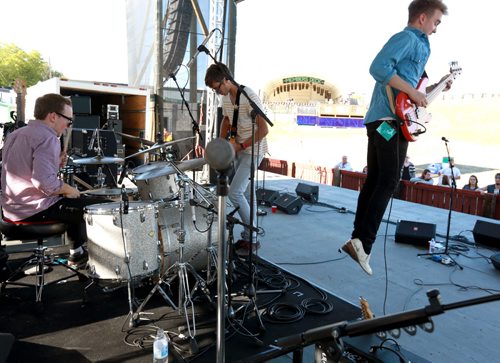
465, 201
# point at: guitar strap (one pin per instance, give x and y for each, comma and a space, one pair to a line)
390, 97
234, 126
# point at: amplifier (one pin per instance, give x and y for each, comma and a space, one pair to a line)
415, 233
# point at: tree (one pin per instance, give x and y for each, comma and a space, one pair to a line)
15, 63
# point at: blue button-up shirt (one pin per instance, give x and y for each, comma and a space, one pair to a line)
405, 54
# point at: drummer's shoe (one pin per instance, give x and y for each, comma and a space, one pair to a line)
78, 260
242, 247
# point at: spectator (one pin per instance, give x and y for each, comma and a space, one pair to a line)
408, 169
472, 185
425, 177
447, 171
445, 181
365, 169
493, 188
344, 164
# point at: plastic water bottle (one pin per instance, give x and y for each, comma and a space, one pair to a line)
432, 245
160, 347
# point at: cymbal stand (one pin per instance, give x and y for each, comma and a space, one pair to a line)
211, 248
181, 269
211, 253
101, 177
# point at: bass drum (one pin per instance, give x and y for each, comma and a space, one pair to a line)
197, 236
112, 235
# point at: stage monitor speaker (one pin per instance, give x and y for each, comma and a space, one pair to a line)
415, 233
487, 233
288, 203
308, 192
495, 259
266, 196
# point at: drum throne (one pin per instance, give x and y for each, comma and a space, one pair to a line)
27, 232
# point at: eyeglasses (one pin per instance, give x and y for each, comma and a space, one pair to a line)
69, 119
217, 89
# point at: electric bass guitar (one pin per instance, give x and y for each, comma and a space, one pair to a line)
413, 117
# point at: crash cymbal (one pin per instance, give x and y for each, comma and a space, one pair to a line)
98, 160
137, 138
159, 146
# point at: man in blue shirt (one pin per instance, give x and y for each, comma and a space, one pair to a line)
400, 64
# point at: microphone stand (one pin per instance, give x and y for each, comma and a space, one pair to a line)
256, 111
196, 126
331, 335
452, 195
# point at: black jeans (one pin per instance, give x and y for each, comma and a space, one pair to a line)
70, 211
385, 160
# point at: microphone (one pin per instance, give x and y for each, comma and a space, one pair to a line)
200, 48
124, 200
444, 139
219, 154
122, 175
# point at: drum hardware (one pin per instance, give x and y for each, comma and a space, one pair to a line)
179, 270
153, 148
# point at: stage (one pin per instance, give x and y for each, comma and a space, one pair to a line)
303, 248
83, 321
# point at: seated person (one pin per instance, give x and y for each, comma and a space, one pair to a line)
425, 177
493, 188
447, 171
472, 184
31, 188
344, 164
445, 181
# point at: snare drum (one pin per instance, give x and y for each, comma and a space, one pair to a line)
114, 194
112, 235
196, 240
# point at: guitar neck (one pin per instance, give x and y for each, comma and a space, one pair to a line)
438, 89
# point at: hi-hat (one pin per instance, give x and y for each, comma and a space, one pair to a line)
159, 146
97, 160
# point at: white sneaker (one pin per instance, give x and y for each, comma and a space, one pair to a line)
354, 248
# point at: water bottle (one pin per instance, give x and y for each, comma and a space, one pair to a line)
432, 245
160, 347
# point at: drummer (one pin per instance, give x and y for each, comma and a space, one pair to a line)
31, 189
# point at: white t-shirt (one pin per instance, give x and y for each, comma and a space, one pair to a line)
245, 120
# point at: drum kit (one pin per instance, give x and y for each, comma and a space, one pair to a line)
163, 232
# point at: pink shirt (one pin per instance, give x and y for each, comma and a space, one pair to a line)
30, 164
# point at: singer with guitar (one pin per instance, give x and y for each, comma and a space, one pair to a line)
398, 67
31, 188
236, 126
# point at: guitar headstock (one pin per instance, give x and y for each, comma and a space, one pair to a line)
455, 69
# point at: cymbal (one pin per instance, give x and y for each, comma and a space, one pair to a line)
191, 164
98, 160
158, 172
149, 167
159, 146
166, 168
137, 138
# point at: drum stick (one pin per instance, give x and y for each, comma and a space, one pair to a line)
67, 137
80, 181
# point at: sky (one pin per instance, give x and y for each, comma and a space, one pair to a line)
335, 40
